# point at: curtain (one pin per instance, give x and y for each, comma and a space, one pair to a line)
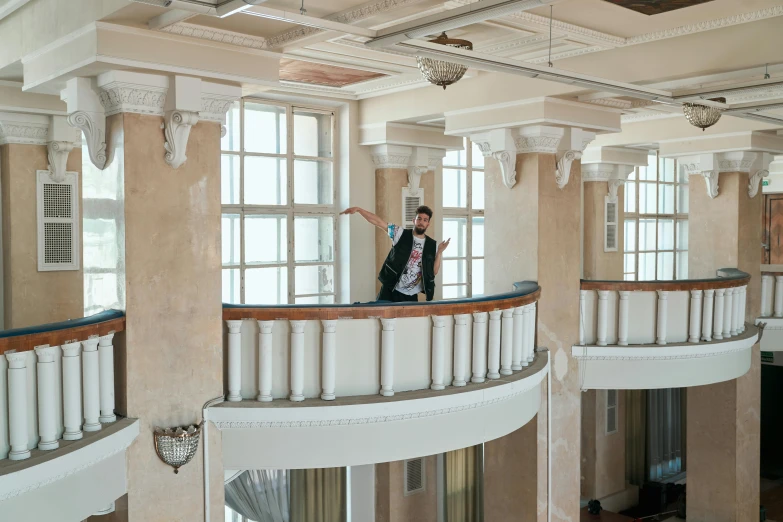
260, 495
635, 436
664, 433
318, 495
463, 485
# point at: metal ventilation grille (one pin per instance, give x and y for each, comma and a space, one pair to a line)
409, 206
414, 476
610, 226
611, 237
611, 212
58, 243
57, 201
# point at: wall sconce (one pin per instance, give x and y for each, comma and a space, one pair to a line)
177, 446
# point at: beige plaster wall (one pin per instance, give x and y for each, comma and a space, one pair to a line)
509, 494
391, 504
32, 297
174, 338
598, 264
610, 448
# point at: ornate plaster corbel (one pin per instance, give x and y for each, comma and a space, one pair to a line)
58, 158
755, 180
507, 160
223, 131
614, 184
414, 177
94, 129
177, 126
563, 171
711, 177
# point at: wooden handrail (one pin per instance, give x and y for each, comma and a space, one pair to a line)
671, 286
26, 342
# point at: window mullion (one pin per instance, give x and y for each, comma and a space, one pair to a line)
290, 220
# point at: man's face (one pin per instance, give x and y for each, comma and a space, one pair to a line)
421, 223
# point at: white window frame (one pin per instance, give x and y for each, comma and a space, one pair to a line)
468, 213
290, 209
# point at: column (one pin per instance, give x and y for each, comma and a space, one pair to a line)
506, 341
329, 359
265, 360
47, 398
695, 319
234, 360
717, 328
493, 351
728, 307
387, 357
17, 405
91, 384
72, 391
706, 316
603, 316
438, 352
297, 361
663, 310
518, 341
461, 355
622, 324
767, 297
779, 296
479, 347
106, 377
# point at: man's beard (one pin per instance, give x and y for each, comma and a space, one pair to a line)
419, 231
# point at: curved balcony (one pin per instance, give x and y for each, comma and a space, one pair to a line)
337, 385
62, 450
771, 308
664, 334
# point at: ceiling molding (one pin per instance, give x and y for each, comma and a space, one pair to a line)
216, 35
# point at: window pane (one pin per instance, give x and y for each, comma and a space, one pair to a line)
266, 285
231, 285
477, 182
647, 198
100, 243
630, 235
312, 134
682, 234
316, 279
231, 140
652, 166
313, 182
454, 271
682, 265
315, 299
665, 234
456, 230
455, 292
647, 234
682, 199
454, 188
666, 170
265, 128
666, 199
665, 265
629, 263
478, 237
478, 277
647, 266
265, 181
477, 158
230, 239
313, 238
456, 158
629, 277
630, 196
265, 239
229, 179
682, 175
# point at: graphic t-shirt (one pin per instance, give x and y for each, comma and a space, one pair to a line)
410, 280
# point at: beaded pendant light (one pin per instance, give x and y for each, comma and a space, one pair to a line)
443, 73
702, 116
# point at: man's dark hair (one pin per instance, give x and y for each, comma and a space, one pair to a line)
424, 209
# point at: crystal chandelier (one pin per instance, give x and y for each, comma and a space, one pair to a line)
702, 116
177, 446
443, 73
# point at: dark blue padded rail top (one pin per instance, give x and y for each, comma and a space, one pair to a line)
100, 317
520, 289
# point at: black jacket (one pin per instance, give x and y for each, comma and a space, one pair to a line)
398, 257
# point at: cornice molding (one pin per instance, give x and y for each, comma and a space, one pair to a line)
217, 35
117, 97
23, 132
391, 161
540, 144
215, 106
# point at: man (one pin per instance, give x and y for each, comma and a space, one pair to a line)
413, 261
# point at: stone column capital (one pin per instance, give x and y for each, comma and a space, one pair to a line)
711, 165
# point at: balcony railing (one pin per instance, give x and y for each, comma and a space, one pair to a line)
306, 352
772, 291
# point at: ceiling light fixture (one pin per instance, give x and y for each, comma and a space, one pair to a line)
443, 73
702, 116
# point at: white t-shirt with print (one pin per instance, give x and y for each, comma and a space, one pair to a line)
410, 282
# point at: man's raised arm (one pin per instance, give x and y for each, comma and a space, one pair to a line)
368, 216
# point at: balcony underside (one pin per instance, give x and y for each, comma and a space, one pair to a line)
675, 365
370, 428
772, 339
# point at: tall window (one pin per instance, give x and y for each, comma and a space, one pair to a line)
463, 222
656, 222
278, 198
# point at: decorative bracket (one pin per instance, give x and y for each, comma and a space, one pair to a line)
499, 145
86, 113
177, 126
563, 171
507, 160
614, 184
755, 180
58, 158
414, 177
711, 177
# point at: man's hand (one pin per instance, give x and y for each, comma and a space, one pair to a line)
367, 215
443, 246
350, 210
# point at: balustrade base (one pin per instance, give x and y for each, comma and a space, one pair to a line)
437, 387
506, 372
387, 393
295, 398
19, 454
48, 446
73, 435
264, 398
327, 396
458, 383
477, 380
106, 419
233, 397
92, 426
516, 367
492, 375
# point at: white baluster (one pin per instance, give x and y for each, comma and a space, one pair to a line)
297, 361
387, 357
17, 405
663, 313
622, 321
728, 307
717, 326
461, 349
506, 341
234, 360
603, 316
106, 377
582, 295
438, 352
47, 398
72, 391
518, 340
91, 384
735, 311
695, 322
329, 359
767, 295
706, 316
743, 308
531, 332
493, 349
778, 296
527, 346
479, 347
265, 360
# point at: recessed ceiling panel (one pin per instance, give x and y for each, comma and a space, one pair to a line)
654, 7
320, 74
